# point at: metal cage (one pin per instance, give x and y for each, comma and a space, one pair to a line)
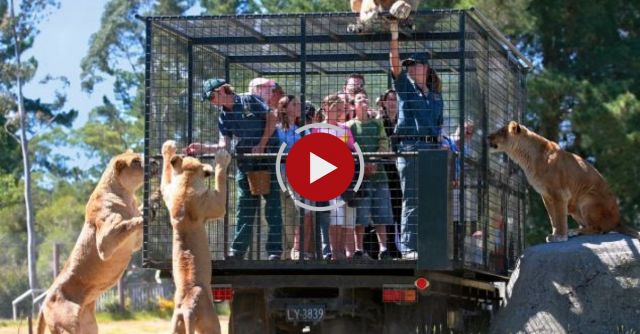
310, 56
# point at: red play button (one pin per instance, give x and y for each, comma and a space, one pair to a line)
320, 167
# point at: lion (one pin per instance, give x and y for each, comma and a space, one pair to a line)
111, 233
567, 183
369, 10
191, 204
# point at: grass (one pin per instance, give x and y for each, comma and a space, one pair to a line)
139, 322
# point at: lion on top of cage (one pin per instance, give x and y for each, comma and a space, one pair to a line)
191, 203
369, 10
568, 184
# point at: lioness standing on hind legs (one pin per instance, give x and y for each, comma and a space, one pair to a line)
567, 183
111, 233
191, 204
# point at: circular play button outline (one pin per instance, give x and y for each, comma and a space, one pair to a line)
292, 194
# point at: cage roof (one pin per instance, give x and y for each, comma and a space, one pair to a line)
271, 43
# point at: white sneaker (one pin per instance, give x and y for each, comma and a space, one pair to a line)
410, 255
295, 254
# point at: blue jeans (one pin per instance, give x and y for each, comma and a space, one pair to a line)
373, 205
408, 170
322, 221
247, 209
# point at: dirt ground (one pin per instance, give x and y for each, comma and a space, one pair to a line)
123, 327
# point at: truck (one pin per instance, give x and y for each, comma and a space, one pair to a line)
471, 204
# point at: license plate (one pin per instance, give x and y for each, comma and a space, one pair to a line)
305, 312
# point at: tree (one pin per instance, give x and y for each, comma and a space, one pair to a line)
24, 117
117, 51
588, 77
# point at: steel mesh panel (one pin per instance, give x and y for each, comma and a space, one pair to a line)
311, 56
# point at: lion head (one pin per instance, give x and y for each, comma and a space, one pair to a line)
126, 169
193, 170
503, 138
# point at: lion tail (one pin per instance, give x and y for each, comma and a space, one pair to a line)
626, 230
41, 323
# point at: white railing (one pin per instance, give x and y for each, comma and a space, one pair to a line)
140, 296
25, 295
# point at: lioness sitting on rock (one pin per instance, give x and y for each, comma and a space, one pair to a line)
111, 233
191, 203
568, 184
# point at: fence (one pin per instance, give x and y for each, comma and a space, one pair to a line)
139, 296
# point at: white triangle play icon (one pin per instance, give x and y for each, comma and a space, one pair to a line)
318, 168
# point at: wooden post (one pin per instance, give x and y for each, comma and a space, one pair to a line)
56, 259
30, 324
121, 298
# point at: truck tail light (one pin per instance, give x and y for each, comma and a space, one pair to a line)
222, 293
421, 283
404, 294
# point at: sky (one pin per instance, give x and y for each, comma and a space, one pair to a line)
59, 48
62, 43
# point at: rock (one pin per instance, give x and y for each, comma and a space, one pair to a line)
589, 284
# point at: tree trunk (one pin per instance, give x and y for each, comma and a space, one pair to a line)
24, 144
56, 259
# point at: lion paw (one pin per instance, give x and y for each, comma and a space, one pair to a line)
400, 9
556, 238
355, 28
368, 15
137, 221
573, 233
222, 158
169, 148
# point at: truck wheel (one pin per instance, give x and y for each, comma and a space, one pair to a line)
399, 319
343, 324
248, 313
480, 320
432, 315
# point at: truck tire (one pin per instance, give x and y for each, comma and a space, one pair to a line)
399, 318
432, 315
343, 324
248, 313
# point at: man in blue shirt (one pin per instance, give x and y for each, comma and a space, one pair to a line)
247, 118
420, 118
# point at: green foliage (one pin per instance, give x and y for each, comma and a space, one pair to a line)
596, 40
301, 6
589, 75
8, 148
11, 205
117, 51
108, 132
117, 48
550, 96
610, 131
13, 282
217, 7
510, 17
60, 218
41, 114
112, 307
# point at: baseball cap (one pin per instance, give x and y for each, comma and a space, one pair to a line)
416, 58
261, 82
210, 85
